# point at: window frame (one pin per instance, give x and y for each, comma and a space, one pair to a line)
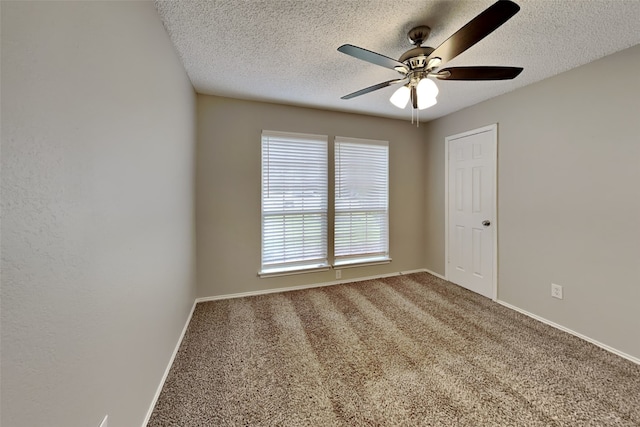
286, 267
362, 258
331, 211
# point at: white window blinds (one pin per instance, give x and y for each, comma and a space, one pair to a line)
361, 200
294, 201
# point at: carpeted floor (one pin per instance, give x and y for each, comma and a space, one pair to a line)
411, 350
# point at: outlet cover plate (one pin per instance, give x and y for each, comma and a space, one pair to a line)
556, 291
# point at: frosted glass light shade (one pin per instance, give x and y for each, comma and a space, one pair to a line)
427, 89
400, 97
427, 92
426, 102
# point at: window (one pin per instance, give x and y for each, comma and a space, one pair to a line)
361, 221
294, 202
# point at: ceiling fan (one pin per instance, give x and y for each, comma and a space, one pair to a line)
419, 64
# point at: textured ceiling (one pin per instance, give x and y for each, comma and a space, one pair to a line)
284, 51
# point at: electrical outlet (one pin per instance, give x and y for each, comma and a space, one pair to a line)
105, 421
338, 274
556, 291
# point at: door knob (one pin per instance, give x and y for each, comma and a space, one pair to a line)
486, 223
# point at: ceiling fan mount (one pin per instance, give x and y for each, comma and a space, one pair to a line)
418, 35
419, 63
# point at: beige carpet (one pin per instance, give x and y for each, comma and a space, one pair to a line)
410, 350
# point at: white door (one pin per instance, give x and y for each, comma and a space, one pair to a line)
471, 228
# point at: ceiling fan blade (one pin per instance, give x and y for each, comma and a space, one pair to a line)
479, 73
372, 88
475, 30
372, 57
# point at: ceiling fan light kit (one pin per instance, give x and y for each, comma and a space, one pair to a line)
419, 65
426, 92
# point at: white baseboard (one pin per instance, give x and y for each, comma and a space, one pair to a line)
569, 331
310, 286
166, 371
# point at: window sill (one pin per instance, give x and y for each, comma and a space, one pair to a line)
363, 262
277, 272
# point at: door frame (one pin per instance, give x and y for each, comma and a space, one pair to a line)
494, 129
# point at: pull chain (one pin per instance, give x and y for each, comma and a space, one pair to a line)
412, 108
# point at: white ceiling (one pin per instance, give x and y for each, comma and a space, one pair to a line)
284, 51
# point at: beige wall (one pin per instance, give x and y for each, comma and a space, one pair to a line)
98, 230
228, 190
568, 196
98, 140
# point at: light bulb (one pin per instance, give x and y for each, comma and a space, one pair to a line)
400, 97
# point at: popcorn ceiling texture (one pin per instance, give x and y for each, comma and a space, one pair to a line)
285, 51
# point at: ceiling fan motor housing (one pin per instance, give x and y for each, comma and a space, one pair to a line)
417, 57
